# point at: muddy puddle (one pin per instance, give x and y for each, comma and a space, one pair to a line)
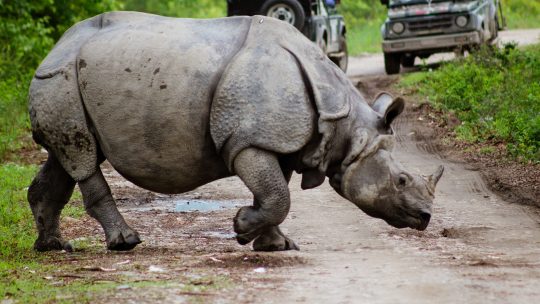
181, 205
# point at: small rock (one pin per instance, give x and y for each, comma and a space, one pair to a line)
123, 287
259, 270
153, 268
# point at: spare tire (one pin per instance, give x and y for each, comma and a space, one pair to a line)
290, 11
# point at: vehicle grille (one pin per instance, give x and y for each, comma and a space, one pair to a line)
429, 25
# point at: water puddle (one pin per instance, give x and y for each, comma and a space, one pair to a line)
189, 205
220, 234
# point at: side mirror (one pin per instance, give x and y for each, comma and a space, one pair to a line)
384, 2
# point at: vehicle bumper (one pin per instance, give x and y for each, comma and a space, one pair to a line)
430, 42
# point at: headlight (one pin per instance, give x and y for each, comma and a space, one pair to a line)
398, 27
462, 21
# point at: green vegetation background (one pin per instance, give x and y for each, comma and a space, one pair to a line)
29, 29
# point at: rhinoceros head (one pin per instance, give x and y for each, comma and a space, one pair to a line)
376, 183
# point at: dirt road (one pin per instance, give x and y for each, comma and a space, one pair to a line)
477, 248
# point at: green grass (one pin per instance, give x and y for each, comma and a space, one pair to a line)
44, 285
522, 13
365, 38
17, 233
14, 123
494, 93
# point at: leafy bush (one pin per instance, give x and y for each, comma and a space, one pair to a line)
496, 95
28, 30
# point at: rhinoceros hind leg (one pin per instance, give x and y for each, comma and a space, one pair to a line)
100, 204
272, 239
261, 172
48, 194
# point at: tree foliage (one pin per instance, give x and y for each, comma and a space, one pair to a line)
180, 8
29, 28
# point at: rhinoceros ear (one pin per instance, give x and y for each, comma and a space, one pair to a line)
388, 107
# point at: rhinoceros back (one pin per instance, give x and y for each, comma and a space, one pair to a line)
147, 83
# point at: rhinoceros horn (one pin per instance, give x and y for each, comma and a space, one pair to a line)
433, 179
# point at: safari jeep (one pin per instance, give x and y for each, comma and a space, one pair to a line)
318, 20
420, 28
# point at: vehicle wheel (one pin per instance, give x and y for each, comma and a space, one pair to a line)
343, 60
322, 44
495, 32
290, 11
392, 63
407, 61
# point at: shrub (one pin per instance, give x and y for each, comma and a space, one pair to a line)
496, 95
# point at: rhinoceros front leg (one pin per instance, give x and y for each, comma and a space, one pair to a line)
261, 172
100, 204
272, 238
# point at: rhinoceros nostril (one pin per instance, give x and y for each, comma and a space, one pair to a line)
425, 217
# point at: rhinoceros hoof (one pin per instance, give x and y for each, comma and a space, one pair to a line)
52, 243
274, 242
123, 240
247, 221
246, 238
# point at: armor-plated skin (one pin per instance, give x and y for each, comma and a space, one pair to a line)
176, 103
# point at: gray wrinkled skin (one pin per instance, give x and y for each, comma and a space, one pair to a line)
173, 104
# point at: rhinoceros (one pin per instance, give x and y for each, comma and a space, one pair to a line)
174, 103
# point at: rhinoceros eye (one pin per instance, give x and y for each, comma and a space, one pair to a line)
403, 180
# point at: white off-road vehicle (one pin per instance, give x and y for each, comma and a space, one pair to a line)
420, 28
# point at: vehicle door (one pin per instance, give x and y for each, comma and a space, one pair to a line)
334, 21
320, 24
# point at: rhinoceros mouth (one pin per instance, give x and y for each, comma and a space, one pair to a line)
409, 220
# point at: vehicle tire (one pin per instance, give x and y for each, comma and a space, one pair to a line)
343, 60
392, 63
322, 44
407, 61
495, 33
290, 11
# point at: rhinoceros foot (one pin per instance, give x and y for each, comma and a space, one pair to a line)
247, 224
52, 243
123, 240
272, 239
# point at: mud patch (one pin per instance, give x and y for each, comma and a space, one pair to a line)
255, 260
463, 233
